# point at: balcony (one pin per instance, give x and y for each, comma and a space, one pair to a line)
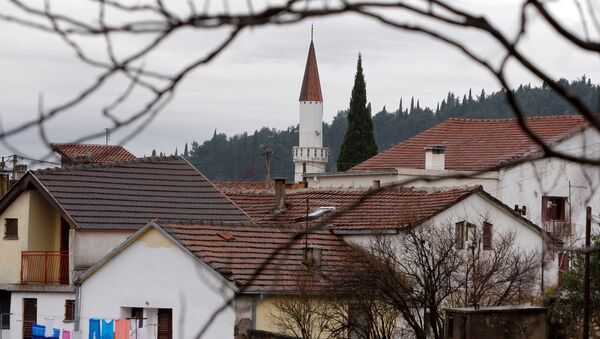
45, 267
558, 228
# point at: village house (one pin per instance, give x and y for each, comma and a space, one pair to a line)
195, 267
56, 223
392, 211
552, 193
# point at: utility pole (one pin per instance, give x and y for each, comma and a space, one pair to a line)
586, 274
107, 132
15, 161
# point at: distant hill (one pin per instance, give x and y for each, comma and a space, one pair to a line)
239, 157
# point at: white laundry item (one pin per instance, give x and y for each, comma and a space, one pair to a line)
49, 323
142, 332
133, 326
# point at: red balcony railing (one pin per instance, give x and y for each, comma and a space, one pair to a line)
45, 267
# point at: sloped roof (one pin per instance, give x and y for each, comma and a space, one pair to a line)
311, 85
386, 209
125, 195
236, 251
475, 144
250, 185
92, 153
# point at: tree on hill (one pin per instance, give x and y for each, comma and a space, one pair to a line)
359, 141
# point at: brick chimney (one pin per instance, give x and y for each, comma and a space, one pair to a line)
435, 157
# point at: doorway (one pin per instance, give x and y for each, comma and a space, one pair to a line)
165, 323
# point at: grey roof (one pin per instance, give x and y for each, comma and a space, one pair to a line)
126, 195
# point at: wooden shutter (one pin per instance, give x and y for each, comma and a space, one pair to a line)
459, 232
69, 310
545, 210
11, 230
487, 236
29, 316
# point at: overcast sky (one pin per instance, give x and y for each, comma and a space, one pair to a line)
256, 81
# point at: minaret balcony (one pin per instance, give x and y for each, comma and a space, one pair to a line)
310, 154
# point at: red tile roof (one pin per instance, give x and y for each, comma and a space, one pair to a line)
311, 85
126, 195
91, 153
248, 185
395, 208
236, 251
475, 144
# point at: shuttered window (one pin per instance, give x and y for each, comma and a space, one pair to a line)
11, 228
69, 310
459, 233
29, 316
5, 310
487, 236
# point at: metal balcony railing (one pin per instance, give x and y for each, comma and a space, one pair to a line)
45, 267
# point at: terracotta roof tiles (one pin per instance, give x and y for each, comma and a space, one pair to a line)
392, 208
238, 256
92, 153
475, 144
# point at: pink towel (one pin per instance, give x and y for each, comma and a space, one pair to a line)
66, 334
122, 329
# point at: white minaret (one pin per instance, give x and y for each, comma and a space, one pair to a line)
310, 156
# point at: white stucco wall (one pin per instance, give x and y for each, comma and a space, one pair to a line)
525, 185
155, 273
49, 305
476, 209
311, 124
89, 247
489, 181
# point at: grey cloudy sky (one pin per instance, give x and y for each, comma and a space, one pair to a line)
256, 81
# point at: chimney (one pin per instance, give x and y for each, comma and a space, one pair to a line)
312, 258
279, 194
3, 184
376, 184
20, 171
435, 157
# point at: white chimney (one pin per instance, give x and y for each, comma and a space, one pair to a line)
435, 157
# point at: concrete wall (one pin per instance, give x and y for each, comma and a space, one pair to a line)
10, 250
517, 324
476, 209
49, 305
44, 224
90, 246
154, 273
525, 185
311, 124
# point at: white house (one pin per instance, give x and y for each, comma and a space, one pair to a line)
552, 193
178, 275
56, 223
391, 211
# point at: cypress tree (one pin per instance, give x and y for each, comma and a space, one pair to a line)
359, 142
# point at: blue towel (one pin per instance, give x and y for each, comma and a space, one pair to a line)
108, 329
38, 331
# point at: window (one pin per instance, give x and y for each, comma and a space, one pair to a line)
554, 208
487, 236
69, 310
11, 228
5, 310
459, 233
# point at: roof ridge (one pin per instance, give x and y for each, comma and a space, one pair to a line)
204, 222
106, 164
537, 117
79, 144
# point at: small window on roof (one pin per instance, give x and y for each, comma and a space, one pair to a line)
320, 211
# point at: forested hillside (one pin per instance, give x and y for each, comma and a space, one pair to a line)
239, 157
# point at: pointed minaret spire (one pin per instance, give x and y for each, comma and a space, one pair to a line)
311, 85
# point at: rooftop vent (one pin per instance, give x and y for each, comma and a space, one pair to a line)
312, 258
320, 211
